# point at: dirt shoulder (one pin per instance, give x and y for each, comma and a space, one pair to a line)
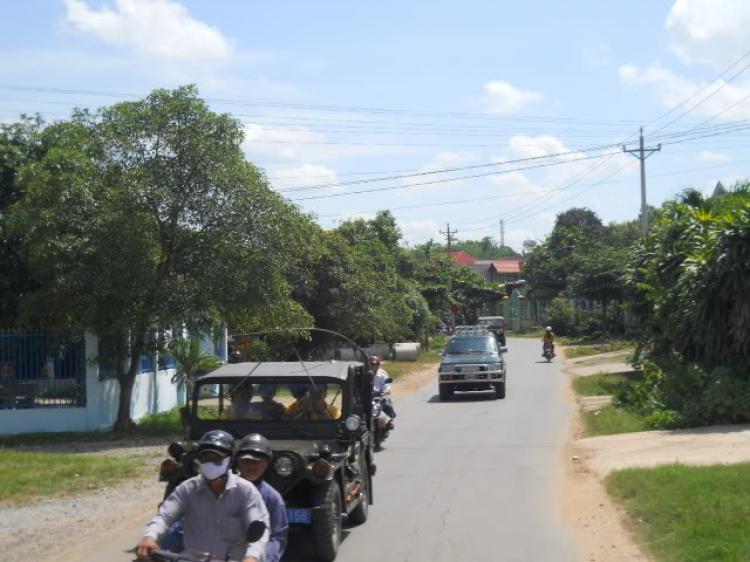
597, 523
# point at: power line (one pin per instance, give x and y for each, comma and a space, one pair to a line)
448, 179
446, 170
735, 63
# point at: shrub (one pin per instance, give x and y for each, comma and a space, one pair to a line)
675, 393
572, 322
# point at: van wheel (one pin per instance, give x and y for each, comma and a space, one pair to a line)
446, 392
500, 390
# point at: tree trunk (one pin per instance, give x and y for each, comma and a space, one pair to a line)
127, 382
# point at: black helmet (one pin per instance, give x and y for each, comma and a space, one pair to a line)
216, 440
255, 446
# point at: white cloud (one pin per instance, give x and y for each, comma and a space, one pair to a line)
709, 156
709, 31
419, 231
154, 28
558, 182
288, 144
503, 99
441, 161
596, 57
307, 176
547, 219
671, 90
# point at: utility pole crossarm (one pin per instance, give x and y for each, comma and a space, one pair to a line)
641, 153
449, 235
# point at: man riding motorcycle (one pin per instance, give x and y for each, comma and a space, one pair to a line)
254, 456
381, 385
218, 506
549, 338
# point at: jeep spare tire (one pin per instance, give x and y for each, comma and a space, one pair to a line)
326, 528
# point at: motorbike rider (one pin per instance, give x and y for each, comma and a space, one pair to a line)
549, 337
380, 384
218, 506
254, 455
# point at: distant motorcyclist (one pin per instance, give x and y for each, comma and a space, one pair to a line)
254, 455
380, 384
218, 506
549, 338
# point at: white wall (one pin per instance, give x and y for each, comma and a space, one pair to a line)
153, 392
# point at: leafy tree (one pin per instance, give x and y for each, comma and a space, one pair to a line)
347, 294
20, 144
146, 215
191, 362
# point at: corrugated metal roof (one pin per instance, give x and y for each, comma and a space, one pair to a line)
507, 266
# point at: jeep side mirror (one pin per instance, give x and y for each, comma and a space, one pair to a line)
440, 353
503, 350
389, 380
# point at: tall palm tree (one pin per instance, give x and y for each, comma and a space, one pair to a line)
191, 363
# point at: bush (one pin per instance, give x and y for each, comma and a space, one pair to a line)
572, 322
675, 394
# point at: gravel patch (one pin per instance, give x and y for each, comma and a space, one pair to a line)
53, 528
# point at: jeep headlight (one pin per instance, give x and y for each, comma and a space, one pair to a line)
283, 466
446, 368
496, 366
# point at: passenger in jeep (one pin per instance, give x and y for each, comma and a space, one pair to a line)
314, 405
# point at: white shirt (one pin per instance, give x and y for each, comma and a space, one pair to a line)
213, 524
379, 382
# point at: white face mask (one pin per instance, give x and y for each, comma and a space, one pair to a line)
213, 471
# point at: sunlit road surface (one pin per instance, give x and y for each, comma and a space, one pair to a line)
474, 479
471, 480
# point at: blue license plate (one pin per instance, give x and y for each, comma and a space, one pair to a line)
294, 515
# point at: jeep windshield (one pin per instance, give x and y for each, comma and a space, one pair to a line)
292, 401
480, 345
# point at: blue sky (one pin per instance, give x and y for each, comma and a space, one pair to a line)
334, 92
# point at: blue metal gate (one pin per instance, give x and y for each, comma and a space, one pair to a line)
41, 371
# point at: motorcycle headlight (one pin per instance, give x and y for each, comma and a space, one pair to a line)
283, 466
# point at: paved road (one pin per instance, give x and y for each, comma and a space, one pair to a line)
471, 479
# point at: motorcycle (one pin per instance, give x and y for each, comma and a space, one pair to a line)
254, 533
548, 353
382, 420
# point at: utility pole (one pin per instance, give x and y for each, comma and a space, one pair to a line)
642, 153
502, 233
449, 236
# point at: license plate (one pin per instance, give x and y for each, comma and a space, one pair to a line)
471, 377
294, 515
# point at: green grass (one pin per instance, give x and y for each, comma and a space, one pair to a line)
574, 351
165, 424
27, 477
610, 421
599, 385
688, 514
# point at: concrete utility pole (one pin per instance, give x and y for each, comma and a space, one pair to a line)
642, 153
449, 236
502, 233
